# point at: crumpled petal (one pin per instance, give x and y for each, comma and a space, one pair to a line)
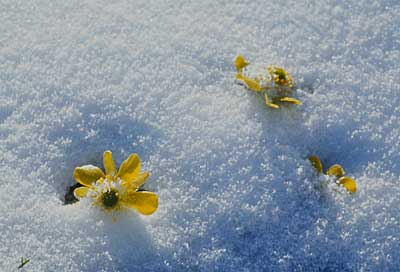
81, 192
130, 168
109, 164
88, 174
335, 170
144, 202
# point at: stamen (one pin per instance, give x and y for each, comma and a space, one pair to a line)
110, 199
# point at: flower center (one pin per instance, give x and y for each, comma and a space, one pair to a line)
110, 199
280, 73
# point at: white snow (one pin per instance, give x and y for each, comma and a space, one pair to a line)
236, 192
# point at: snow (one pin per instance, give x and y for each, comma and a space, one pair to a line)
236, 192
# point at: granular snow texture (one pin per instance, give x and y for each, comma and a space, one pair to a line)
236, 190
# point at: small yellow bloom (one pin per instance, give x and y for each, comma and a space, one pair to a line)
275, 83
280, 76
337, 171
116, 190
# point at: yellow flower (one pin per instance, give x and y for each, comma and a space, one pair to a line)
116, 190
274, 82
337, 171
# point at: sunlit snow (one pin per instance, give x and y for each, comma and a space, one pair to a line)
236, 191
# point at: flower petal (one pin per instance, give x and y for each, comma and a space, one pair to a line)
291, 100
140, 180
108, 163
316, 162
252, 84
335, 170
349, 184
239, 76
88, 174
130, 168
269, 103
144, 202
80, 192
240, 62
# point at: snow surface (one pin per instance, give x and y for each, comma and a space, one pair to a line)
236, 190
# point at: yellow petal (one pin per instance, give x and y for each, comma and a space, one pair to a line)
316, 162
108, 163
87, 174
140, 180
144, 202
252, 84
130, 168
80, 192
291, 100
269, 103
272, 105
240, 62
349, 184
239, 76
335, 170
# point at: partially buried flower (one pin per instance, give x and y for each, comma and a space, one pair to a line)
116, 190
274, 82
337, 171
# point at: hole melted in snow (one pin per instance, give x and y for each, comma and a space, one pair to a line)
69, 197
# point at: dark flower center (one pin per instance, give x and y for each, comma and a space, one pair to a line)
110, 199
281, 74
